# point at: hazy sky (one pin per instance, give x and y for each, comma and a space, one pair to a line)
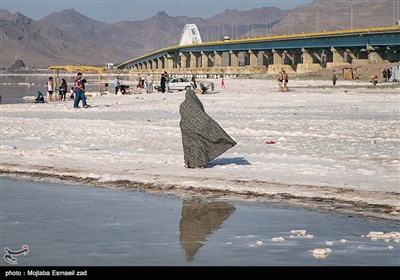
118, 10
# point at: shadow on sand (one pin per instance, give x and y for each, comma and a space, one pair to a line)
198, 220
227, 161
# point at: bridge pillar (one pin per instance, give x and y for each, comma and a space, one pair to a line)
307, 64
168, 61
267, 58
253, 58
373, 55
277, 65
184, 60
217, 59
337, 58
193, 59
204, 59
233, 59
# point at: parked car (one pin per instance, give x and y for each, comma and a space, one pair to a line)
179, 83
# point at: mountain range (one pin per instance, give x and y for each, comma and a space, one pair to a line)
69, 37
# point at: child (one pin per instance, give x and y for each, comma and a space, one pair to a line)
71, 93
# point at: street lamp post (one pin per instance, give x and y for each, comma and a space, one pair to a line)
351, 14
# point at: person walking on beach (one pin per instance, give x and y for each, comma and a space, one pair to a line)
50, 89
334, 79
79, 90
149, 84
202, 138
117, 85
222, 82
194, 82
285, 77
163, 83
280, 81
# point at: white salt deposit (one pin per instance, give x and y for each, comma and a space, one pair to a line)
321, 253
278, 239
323, 142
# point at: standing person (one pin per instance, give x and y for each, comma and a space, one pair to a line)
84, 104
202, 138
142, 81
79, 90
285, 77
71, 93
63, 90
280, 81
222, 82
334, 79
117, 85
149, 84
50, 87
194, 82
166, 81
384, 75
388, 74
30, 87
163, 83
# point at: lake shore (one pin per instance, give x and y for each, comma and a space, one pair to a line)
334, 148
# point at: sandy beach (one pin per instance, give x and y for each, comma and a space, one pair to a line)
329, 147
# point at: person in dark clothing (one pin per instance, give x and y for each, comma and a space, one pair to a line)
162, 83
202, 138
39, 98
63, 90
334, 79
194, 82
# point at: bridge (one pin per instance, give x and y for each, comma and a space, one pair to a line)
295, 53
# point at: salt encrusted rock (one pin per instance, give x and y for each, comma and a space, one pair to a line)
298, 232
278, 239
387, 237
321, 253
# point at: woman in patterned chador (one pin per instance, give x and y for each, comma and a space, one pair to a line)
202, 138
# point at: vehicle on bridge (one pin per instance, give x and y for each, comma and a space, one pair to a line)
179, 83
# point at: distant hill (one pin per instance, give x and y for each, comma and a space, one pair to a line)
69, 37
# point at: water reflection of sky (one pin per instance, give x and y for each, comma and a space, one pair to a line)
14, 88
81, 225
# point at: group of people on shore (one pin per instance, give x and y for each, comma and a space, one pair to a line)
62, 90
77, 92
283, 80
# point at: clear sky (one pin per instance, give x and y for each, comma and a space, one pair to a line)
118, 10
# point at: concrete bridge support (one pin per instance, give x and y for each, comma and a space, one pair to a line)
337, 58
217, 59
168, 61
183, 60
233, 59
253, 58
278, 62
308, 59
267, 58
204, 59
193, 60
373, 55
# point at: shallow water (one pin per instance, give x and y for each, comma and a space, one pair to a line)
13, 88
81, 225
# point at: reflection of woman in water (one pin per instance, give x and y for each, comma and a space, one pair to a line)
202, 138
199, 219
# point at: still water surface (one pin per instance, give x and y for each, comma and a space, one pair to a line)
81, 225
13, 88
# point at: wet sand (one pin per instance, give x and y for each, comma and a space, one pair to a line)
75, 225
